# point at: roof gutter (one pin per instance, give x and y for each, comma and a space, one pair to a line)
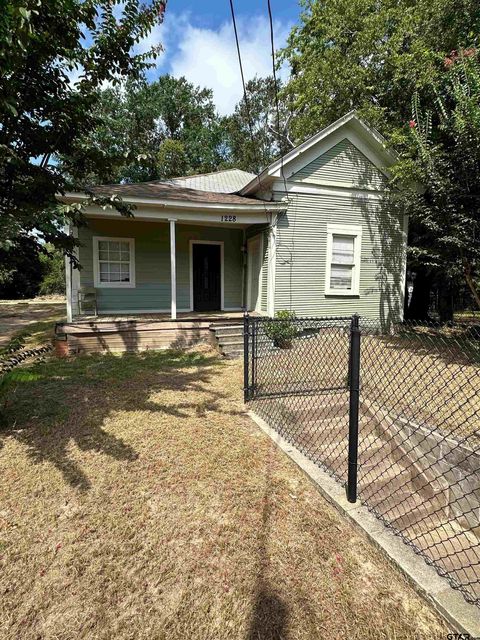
262, 205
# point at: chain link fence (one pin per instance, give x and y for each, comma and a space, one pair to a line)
418, 408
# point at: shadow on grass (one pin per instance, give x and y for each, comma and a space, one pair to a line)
447, 346
68, 401
269, 613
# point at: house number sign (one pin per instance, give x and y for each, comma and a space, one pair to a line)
229, 218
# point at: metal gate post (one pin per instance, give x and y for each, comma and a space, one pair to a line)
254, 358
246, 381
354, 384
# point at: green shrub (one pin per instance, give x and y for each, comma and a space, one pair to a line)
53, 267
282, 330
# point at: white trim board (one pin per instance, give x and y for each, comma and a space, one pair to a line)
334, 190
257, 238
222, 270
163, 215
164, 203
138, 311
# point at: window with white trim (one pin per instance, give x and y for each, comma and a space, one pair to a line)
114, 262
343, 260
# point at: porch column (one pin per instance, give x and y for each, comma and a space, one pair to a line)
173, 269
72, 278
272, 264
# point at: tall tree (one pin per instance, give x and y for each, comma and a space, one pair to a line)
444, 157
254, 136
43, 112
149, 131
371, 55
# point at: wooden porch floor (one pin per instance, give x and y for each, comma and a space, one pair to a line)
213, 316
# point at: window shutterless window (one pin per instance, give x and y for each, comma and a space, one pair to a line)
114, 262
344, 245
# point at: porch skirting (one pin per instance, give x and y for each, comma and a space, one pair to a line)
135, 335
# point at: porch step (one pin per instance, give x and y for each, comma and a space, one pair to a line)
229, 339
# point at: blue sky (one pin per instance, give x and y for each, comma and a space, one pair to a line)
199, 44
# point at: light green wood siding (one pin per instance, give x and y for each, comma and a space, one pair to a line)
301, 257
342, 164
152, 264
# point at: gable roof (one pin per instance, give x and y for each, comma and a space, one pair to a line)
228, 181
157, 190
371, 136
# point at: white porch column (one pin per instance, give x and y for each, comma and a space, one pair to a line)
272, 264
173, 268
72, 278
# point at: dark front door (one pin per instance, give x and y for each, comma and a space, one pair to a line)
206, 277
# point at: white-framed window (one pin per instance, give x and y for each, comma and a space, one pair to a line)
344, 248
114, 262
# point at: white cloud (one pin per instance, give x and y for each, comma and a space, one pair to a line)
208, 57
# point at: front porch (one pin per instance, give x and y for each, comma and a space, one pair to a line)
143, 332
164, 277
167, 270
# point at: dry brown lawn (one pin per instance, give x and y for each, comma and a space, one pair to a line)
137, 501
427, 376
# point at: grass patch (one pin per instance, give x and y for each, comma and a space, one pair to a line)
34, 335
138, 501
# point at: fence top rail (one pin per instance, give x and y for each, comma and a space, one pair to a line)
299, 319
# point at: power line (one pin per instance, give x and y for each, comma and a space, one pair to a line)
245, 94
277, 102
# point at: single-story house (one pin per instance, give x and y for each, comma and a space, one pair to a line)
313, 233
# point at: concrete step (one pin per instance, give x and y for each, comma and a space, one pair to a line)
226, 330
230, 339
231, 346
233, 354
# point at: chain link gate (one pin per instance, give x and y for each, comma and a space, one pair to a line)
291, 389
414, 390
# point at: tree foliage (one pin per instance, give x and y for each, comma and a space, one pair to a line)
371, 56
21, 270
53, 271
149, 131
254, 136
444, 157
43, 112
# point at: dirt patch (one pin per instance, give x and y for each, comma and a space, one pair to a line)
36, 316
138, 501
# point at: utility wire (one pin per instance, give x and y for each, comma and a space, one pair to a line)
245, 94
277, 102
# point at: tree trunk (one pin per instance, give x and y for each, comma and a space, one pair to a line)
445, 303
420, 301
473, 289
471, 283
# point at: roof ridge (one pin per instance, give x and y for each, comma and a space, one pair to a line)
210, 173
